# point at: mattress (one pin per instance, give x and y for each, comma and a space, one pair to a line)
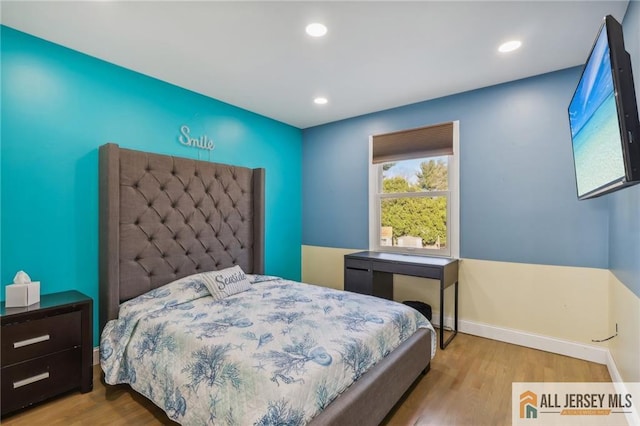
278, 353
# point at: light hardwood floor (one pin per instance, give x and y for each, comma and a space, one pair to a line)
469, 384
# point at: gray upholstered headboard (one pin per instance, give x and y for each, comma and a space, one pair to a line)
163, 218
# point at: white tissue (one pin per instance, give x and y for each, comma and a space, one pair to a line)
21, 278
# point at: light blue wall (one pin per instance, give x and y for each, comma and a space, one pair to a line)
624, 205
59, 106
518, 197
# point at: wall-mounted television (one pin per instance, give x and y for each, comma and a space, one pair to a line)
603, 116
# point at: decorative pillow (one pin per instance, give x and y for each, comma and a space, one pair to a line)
226, 282
255, 278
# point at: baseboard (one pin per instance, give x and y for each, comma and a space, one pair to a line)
591, 353
96, 355
613, 370
632, 417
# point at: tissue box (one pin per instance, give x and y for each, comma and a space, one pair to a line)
22, 294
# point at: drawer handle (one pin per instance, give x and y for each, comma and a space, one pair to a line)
30, 380
32, 341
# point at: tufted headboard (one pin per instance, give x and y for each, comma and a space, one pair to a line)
163, 218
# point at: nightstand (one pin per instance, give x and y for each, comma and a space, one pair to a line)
46, 349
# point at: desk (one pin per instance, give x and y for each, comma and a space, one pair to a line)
370, 272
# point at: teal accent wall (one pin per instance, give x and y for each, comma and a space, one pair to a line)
1, 167
59, 106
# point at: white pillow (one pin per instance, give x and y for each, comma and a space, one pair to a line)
226, 282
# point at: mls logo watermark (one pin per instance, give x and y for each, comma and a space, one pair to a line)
528, 405
555, 403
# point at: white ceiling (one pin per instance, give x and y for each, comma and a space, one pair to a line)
376, 55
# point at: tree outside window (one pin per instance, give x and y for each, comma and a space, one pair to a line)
413, 204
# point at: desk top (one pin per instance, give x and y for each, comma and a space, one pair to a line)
403, 258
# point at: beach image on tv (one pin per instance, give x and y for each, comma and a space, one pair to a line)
597, 147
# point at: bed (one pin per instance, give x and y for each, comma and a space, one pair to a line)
165, 220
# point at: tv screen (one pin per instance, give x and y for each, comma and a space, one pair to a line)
604, 119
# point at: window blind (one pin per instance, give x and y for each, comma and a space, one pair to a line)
430, 141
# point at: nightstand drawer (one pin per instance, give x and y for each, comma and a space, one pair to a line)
31, 339
29, 382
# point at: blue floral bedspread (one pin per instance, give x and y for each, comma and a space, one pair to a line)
275, 354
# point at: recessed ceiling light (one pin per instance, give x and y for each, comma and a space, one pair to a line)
510, 46
316, 29
320, 100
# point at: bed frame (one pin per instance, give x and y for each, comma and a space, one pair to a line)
164, 218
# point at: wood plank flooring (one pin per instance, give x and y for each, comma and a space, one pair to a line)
469, 384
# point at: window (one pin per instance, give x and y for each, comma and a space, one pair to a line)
414, 191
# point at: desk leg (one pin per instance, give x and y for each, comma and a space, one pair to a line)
444, 344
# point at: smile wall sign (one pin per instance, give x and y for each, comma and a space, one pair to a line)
203, 142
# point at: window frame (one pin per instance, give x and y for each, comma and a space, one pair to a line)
453, 204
